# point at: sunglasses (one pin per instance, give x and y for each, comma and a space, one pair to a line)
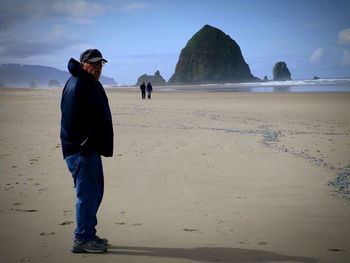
95, 64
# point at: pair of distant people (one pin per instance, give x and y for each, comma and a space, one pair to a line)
145, 88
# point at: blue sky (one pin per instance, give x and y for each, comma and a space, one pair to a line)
137, 37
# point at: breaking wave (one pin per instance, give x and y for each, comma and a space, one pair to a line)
319, 85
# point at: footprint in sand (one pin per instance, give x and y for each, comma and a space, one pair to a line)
47, 234
27, 210
120, 223
336, 249
67, 212
66, 223
32, 161
137, 224
26, 260
44, 245
190, 230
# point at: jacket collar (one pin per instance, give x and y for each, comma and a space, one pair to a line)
76, 70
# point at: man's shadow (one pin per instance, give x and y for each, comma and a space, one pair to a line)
208, 254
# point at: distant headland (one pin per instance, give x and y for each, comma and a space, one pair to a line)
32, 76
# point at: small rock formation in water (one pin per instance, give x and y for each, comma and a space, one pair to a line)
53, 83
315, 78
32, 85
156, 79
265, 78
281, 72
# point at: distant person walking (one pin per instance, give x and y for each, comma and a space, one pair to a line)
143, 90
86, 134
149, 90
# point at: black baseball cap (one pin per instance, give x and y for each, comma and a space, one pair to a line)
92, 55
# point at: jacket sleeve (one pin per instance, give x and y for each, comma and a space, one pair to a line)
75, 125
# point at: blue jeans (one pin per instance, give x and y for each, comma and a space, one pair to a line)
88, 180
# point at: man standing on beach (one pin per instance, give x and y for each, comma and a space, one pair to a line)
149, 90
86, 134
143, 90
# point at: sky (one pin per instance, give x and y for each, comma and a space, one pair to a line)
137, 37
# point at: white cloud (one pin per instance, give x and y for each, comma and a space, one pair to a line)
317, 55
31, 43
20, 11
134, 6
57, 32
344, 37
26, 28
17, 48
345, 61
77, 8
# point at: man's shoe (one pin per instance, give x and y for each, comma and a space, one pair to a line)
88, 247
101, 241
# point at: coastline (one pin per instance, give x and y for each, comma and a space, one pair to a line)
236, 177
293, 86
341, 85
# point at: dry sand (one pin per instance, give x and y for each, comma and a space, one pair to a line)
196, 177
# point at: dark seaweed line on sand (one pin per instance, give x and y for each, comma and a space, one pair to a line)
341, 182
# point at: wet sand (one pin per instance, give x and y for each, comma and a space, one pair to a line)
196, 177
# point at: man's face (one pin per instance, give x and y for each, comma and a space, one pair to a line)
94, 69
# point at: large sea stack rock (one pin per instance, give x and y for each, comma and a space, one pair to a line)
155, 79
281, 72
211, 56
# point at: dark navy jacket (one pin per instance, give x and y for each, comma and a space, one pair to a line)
86, 123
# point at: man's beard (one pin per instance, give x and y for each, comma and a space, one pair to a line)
96, 73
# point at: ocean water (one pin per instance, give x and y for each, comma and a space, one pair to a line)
320, 85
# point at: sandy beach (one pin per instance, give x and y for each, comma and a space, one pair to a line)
195, 177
